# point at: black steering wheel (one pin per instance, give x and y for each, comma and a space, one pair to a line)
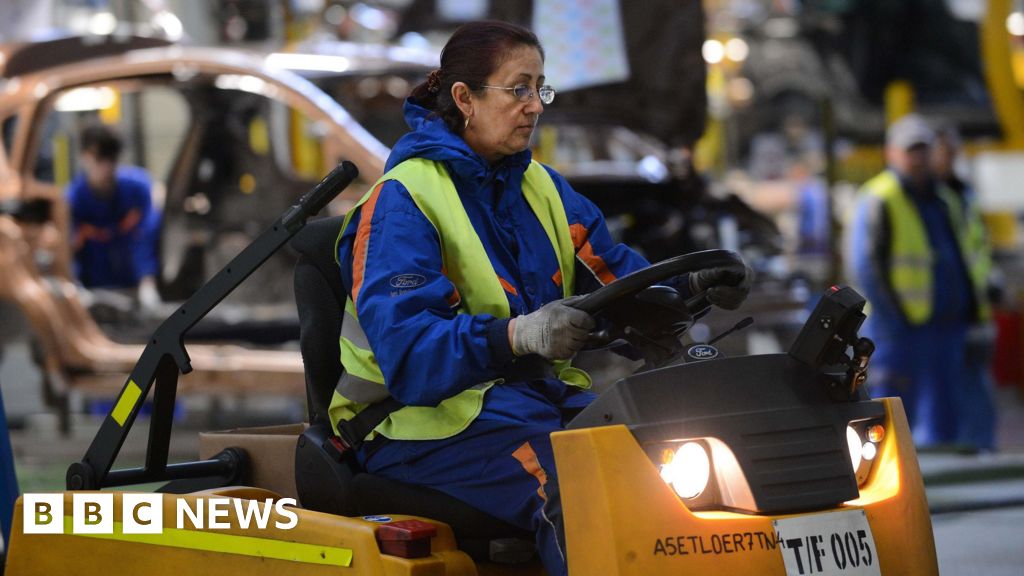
616, 303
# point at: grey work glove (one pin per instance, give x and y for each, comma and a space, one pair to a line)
727, 287
556, 331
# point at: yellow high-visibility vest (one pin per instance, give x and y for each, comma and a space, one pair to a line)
912, 257
468, 267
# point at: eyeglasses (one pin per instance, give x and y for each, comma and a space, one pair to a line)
524, 92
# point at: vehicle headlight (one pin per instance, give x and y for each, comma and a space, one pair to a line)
869, 451
687, 470
863, 439
856, 446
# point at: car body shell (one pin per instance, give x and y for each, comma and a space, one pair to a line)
74, 351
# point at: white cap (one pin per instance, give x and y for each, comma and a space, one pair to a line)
909, 131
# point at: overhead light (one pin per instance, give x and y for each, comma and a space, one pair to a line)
243, 82
397, 87
713, 51
1015, 23
369, 17
170, 24
308, 62
414, 40
369, 87
86, 99
652, 169
737, 50
335, 15
102, 23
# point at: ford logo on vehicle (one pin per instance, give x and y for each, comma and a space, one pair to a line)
702, 352
407, 281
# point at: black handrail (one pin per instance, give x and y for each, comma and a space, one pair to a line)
165, 357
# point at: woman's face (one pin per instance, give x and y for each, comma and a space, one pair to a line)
499, 123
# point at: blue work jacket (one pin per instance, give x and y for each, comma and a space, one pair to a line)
126, 257
426, 351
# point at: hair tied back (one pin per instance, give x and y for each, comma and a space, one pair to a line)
434, 81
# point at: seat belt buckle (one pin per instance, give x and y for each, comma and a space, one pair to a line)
337, 448
347, 438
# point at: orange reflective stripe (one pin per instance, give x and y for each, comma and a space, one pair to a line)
508, 287
557, 278
579, 234
585, 252
596, 264
528, 458
362, 242
455, 299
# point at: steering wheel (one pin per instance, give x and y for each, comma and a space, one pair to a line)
616, 303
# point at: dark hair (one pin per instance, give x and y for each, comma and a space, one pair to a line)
102, 141
472, 54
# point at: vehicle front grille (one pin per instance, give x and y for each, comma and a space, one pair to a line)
797, 467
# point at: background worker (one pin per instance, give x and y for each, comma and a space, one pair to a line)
909, 257
114, 224
977, 419
459, 262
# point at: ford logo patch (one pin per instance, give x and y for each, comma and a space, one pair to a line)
407, 281
702, 352
380, 519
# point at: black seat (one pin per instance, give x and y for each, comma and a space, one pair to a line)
329, 479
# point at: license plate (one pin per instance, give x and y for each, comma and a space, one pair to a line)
830, 544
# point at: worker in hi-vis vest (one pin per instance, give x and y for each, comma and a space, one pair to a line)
911, 255
459, 262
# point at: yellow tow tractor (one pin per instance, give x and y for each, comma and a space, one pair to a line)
771, 464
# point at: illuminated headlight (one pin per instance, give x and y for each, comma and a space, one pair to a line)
687, 470
856, 446
864, 439
869, 451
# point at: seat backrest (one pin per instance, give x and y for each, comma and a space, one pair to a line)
320, 298
336, 485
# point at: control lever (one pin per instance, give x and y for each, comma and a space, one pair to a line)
741, 325
706, 351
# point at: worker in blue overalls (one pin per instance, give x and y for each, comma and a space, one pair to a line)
911, 255
976, 404
461, 262
114, 225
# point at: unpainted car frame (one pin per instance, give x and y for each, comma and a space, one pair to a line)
35, 254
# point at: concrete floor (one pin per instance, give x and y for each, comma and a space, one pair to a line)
981, 542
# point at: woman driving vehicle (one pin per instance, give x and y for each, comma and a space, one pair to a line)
462, 263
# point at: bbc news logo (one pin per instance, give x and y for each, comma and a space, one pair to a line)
93, 513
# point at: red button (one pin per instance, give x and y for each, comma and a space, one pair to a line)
406, 530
